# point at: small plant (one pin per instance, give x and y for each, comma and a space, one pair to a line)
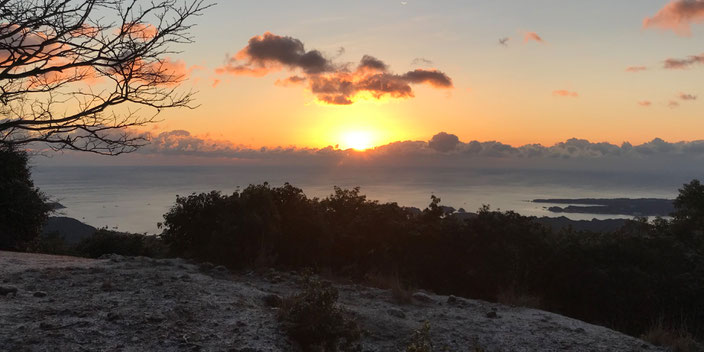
420, 340
400, 293
315, 321
676, 340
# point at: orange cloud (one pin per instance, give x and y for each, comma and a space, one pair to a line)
645, 103
687, 97
565, 93
678, 15
532, 36
137, 30
331, 83
636, 69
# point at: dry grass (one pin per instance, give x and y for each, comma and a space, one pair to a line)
676, 340
400, 293
511, 297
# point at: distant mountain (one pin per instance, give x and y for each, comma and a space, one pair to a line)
70, 229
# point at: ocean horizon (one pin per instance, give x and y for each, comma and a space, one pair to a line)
135, 198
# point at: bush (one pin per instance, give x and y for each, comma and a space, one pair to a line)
623, 279
110, 242
22, 207
315, 321
420, 340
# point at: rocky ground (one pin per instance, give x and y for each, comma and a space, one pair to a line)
142, 304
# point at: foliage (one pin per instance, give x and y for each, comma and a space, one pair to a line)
315, 321
22, 207
625, 280
110, 242
420, 340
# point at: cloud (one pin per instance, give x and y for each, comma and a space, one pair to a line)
504, 41
419, 61
290, 81
532, 36
442, 155
444, 142
687, 97
678, 15
565, 93
684, 64
371, 63
672, 104
636, 69
330, 82
645, 103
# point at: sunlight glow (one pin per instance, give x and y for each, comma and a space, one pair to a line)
358, 140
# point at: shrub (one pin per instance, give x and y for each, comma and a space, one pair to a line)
676, 340
110, 242
315, 321
623, 279
22, 207
420, 340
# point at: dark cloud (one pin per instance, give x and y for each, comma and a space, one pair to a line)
331, 83
432, 77
271, 50
372, 63
683, 64
444, 142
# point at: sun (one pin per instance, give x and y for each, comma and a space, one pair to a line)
358, 140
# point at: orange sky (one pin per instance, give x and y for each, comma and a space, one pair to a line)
573, 82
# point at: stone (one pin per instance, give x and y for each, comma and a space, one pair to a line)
423, 297
492, 315
39, 294
6, 290
396, 313
273, 300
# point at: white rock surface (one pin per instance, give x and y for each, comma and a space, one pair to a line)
141, 304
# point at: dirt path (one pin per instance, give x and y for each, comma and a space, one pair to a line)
141, 304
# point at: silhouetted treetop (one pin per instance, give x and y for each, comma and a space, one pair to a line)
78, 74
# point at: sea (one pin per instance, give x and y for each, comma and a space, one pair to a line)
135, 198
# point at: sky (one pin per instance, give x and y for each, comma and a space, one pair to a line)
594, 70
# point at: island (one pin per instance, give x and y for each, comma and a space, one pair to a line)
612, 206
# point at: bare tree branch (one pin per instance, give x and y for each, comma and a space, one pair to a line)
79, 74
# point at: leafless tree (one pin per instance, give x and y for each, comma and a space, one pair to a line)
86, 74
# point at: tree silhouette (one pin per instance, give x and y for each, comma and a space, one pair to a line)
79, 74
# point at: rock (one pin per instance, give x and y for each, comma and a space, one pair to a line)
423, 297
106, 286
396, 313
273, 300
207, 266
492, 315
39, 294
221, 269
6, 290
